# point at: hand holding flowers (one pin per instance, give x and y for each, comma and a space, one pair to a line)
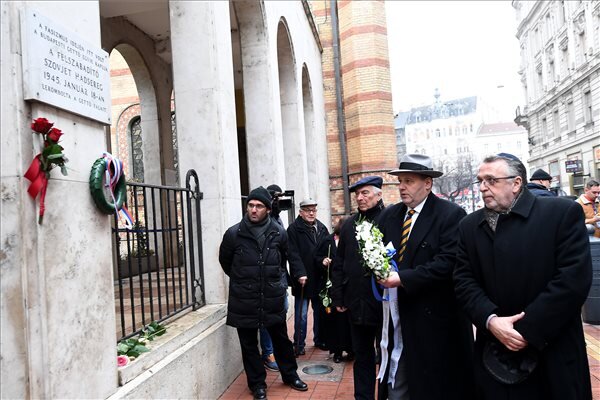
375, 257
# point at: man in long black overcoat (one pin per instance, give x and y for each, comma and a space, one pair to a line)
428, 351
304, 234
523, 272
351, 291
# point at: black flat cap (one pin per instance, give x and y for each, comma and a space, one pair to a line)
376, 181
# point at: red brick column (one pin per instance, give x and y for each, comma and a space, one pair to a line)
367, 98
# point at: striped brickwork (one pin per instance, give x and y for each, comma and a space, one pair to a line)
370, 136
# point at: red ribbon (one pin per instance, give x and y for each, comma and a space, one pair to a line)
39, 183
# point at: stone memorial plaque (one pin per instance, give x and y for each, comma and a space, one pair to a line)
63, 70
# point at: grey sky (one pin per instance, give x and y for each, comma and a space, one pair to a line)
464, 48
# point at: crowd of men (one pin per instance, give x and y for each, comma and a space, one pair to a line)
478, 306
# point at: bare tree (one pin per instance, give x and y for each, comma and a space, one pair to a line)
458, 176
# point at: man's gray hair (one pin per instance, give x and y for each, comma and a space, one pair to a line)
515, 166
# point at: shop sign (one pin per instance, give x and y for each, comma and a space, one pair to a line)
574, 166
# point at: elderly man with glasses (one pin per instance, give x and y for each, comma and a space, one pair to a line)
523, 272
305, 233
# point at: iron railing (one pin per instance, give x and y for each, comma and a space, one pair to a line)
158, 263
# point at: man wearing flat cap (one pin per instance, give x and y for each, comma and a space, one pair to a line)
253, 253
352, 292
426, 345
304, 234
526, 308
539, 184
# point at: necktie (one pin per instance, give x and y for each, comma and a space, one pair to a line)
405, 232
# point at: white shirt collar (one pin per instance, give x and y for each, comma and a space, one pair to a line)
419, 206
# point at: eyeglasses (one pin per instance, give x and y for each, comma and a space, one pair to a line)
491, 181
309, 210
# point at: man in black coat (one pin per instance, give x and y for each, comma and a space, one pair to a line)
351, 291
427, 341
252, 254
523, 272
539, 184
304, 234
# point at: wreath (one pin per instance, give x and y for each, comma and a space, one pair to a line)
107, 172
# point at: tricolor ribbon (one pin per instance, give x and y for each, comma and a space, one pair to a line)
39, 183
114, 170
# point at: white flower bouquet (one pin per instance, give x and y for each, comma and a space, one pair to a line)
376, 258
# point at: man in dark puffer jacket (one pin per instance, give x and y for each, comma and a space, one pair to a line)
253, 253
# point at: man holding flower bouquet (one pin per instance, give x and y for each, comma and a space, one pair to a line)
351, 291
426, 341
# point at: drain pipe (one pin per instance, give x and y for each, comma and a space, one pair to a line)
341, 122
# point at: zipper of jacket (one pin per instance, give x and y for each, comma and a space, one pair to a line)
262, 275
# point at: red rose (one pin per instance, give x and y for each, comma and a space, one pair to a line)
41, 125
54, 134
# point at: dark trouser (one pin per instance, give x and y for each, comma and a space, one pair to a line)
363, 343
282, 348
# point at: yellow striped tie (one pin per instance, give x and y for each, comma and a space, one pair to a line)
405, 232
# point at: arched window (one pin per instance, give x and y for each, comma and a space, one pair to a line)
137, 154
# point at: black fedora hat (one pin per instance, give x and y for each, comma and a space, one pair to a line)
506, 366
416, 164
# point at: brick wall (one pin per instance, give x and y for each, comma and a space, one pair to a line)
367, 97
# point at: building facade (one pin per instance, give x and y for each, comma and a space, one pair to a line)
358, 98
257, 93
457, 135
444, 130
238, 98
560, 73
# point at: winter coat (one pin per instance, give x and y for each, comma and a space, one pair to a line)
540, 190
351, 283
538, 261
589, 210
334, 325
256, 289
302, 244
437, 336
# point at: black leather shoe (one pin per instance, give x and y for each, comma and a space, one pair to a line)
322, 346
337, 358
297, 384
299, 352
260, 394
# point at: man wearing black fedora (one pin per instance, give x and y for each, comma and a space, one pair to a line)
427, 341
352, 292
539, 184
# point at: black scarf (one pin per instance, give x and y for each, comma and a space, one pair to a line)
372, 212
258, 229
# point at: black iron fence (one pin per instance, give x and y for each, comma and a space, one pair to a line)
158, 267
